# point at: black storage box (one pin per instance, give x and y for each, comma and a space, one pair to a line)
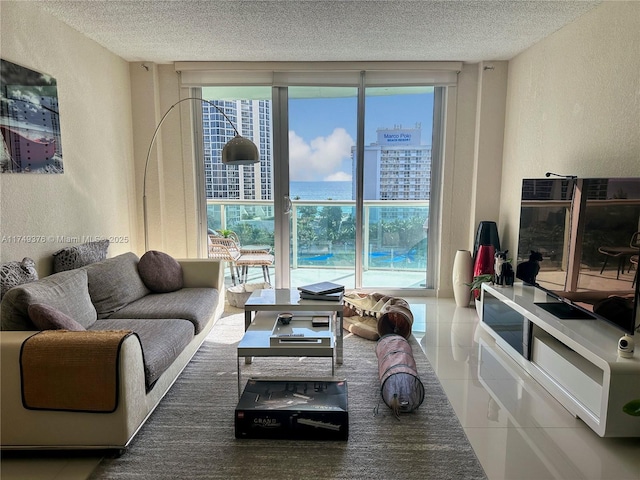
293, 409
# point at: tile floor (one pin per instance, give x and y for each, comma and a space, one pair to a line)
516, 428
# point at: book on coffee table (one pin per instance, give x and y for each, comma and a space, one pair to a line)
301, 332
330, 297
320, 320
321, 288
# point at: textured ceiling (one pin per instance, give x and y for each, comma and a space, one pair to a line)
215, 30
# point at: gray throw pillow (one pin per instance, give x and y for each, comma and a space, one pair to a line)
65, 291
13, 274
160, 272
80, 255
115, 283
45, 317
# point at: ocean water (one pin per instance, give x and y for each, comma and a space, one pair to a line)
321, 190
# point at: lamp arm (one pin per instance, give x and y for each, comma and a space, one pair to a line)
146, 163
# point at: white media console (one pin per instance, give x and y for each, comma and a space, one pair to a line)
575, 360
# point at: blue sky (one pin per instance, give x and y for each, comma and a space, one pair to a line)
322, 131
322, 126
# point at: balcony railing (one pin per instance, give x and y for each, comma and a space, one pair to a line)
323, 232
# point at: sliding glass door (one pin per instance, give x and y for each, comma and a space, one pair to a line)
343, 189
321, 140
323, 166
397, 168
239, 199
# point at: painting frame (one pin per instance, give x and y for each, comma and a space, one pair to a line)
29, 121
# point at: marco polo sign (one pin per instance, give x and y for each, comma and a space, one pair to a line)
399, 137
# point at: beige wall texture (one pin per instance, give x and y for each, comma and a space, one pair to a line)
95, 197
171, 192
573, 106
171, 172
472, 161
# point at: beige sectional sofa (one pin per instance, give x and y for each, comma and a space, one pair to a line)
168, 330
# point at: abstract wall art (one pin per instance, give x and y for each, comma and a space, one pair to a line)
29, 121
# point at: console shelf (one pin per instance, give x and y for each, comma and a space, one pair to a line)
575, 360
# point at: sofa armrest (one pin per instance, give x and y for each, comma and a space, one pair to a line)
45, 428
202, 272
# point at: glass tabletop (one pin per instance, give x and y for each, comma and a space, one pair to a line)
286, 298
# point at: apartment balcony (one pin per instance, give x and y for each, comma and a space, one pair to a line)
322, 244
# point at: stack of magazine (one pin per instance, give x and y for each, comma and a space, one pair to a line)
322, 291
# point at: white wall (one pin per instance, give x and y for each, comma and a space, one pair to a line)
573, 105
171, 172
96, 195
472, 161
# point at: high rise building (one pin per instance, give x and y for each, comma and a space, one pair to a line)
397, 166
252, 118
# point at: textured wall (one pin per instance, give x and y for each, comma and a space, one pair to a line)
171, 184
96, 194
573, 105
473, 162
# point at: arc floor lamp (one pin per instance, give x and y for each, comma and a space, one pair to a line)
237, 151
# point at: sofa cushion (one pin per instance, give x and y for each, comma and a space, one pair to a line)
194, 304
16, 273
78, 256
115, 283
45, 317
162, 341
65, 291
161, 273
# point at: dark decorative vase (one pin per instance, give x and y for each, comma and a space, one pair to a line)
484, 260
487, 234
484, 263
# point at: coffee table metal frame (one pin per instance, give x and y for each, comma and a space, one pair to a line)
257, 340
287, 300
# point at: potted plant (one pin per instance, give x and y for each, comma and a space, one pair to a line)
476, 286
230, 234
477, 282
632, 408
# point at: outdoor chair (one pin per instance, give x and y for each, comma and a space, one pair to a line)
622, 254
255, 259
240, 259
226, 250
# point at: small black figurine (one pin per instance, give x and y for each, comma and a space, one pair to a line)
528, 271
503, 269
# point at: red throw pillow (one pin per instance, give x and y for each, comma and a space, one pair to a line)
160, 272
45, 317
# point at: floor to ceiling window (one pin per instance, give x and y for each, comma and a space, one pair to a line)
322, 140
397, 185
344, 187
238, 198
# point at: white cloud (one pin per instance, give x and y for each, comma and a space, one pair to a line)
321, 158
338, 177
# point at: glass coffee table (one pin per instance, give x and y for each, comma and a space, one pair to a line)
264, 337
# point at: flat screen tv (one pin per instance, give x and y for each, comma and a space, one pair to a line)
586, 231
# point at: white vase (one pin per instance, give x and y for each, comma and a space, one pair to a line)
462, 275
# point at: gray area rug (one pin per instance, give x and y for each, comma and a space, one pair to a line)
191, 433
